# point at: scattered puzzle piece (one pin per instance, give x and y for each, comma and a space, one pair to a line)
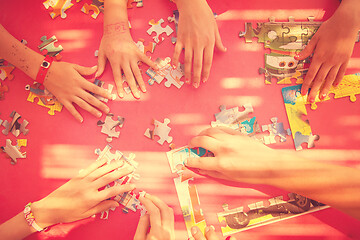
110, 88
275, 129
109, 126
231, 117
297, 116
97, 7
5, 70
172, 76
58, 7
150, 47
13, 151
158, 29
3, 90
161, 130
45, 98
15, 127
139, 3
262, 213
49, 46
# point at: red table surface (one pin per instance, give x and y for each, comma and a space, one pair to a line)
58, 146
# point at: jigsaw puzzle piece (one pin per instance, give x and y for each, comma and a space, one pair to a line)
159, 75
275, 129
174, 75
5, 71
108, 127
49, 46
158, 29
139, 3
232, 117
13, 152
58, 7
161, 130
3, 90
150, 47
348, 87
97, 7
110, 88
15, 127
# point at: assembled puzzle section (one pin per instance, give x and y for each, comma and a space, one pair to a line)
285, 40
297, 116
109, 126
129, 200
266, 212
45, 98
161, 129
109, 89
158, 29
186, 191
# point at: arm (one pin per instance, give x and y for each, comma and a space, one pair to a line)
63, 79
198, 34
119, 48
239, 158
77, 199
332, 46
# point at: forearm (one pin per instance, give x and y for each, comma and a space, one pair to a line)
350, 10
115, 17
333, 185
15, 228
18, 54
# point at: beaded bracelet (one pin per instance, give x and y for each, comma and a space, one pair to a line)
29, 217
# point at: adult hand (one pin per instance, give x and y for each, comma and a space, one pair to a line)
64, 80
332, 46
198, 34
210, 234
80, 197
236, 157
119, 48
159, 218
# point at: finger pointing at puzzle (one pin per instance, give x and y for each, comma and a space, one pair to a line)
198, 34
119, 48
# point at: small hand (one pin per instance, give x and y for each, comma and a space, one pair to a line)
118, 47
65, 82
198, 34
237, 157
80, 197
332, 46
210, 234
159, 218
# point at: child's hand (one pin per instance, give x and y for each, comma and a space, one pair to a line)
210, 234
159, 219
237, 157
332, 46
80, 197
118, 46
198, 34
65, 82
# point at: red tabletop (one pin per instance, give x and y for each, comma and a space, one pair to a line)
58, 146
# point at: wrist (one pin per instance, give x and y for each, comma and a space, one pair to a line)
190, 4
43, 214
44, 67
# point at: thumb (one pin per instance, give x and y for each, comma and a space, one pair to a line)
101, 64
308, 50
85, 70
102, 206
143, 227
218, 42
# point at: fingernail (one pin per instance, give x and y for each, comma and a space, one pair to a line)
196, 85
107, 110
311, 100
207, 229
212, 227
204, 79
228, 238
225, 49
81, 120
187, 80
323, 96
99, 114
193, 230
185, 161
121, 94
137, 94
174, 67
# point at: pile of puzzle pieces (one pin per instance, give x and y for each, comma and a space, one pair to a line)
129, 200
16, 127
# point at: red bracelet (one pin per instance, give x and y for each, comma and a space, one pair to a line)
44, 67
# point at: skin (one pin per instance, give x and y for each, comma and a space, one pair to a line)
77, 199
198, 34
210, 234
241, 159
332, 46
64, 80
118, 47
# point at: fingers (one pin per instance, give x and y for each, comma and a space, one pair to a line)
95, 165
131, 81
218, 42
142, 228
203, 163
308, 50
154, 212
197, 234
188, 63
197, 66
115, 66
148, 61
101, 64
317, 82
102, 206
112, 175
329, 80
136, 71
210, 233
167, 213
85, 70
73, 111
102, 170
340, 74
115, 190
208, 56
96, 90
206, 142
178, 48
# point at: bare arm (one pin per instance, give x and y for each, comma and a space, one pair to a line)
239, 158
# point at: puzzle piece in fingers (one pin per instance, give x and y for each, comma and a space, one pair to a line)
158, 29
58, 7
161, 130
96, 7
172, 75
15, 127
45, 98
109, 126
297, 116
48, 47
13, 152
266, 212
109, 89
275, 129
